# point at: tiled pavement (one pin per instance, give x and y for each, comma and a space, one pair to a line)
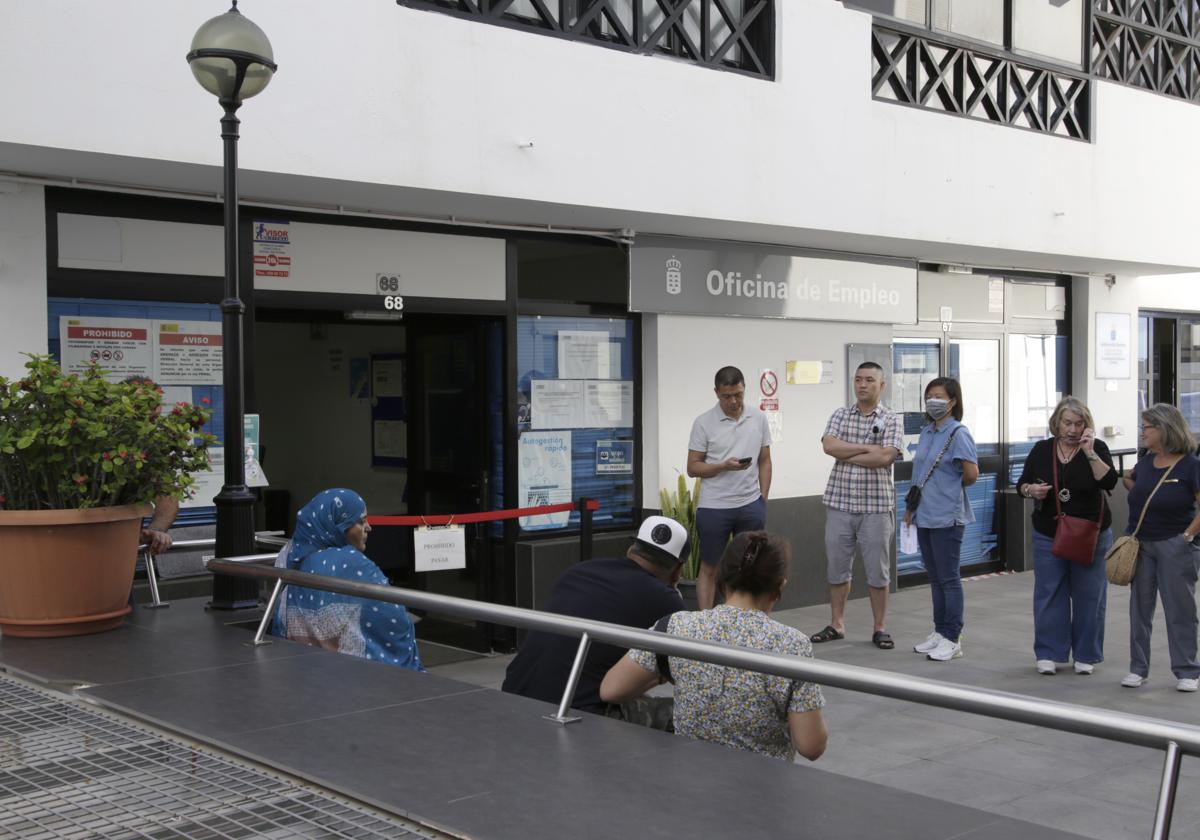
1072, 782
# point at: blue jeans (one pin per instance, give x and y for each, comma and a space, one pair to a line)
940, 550
1069, 603
714, 527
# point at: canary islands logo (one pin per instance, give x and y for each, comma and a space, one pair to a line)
674, 276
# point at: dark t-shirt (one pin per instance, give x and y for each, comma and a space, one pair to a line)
1173, 506
616, 590
1076, 476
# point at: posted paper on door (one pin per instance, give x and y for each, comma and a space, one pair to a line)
556, 403
438, 549
188, 352
544, 477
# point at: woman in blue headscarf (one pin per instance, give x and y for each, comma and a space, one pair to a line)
330, 536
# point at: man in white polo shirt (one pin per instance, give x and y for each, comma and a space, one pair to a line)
730, 449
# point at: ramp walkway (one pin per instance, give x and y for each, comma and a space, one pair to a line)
454, 758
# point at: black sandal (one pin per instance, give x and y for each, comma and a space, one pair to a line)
826, 635
883, 640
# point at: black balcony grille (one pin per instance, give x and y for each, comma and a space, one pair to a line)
1149, 44
737, 35
919, 71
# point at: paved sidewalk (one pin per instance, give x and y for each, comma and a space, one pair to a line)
1080, 784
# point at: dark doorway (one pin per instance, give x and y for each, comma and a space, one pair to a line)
451, 442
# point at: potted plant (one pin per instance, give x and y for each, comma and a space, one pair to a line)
81, 459
681, 506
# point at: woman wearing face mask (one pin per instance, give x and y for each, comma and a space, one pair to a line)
944, 466
1069, 599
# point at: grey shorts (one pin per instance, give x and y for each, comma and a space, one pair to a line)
870, 533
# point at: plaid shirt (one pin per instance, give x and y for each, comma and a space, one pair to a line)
858, 489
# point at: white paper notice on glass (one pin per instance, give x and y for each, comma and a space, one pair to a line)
556, 403
908, 539
608, 404
172, 394
391, 439
208, 482
387, 378
583, 355
188, 352
437, 549
544, 477
122, 346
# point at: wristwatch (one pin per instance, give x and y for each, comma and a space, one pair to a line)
1092, 456
1023, 490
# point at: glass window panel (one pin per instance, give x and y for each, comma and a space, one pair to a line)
982, 20
1049, 28
910, 10
1037, 380
538, 357
1189, 371
975, 363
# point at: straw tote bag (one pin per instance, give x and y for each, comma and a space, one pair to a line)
1074, 537
1120, 563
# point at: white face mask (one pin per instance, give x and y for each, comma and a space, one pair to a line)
937, 409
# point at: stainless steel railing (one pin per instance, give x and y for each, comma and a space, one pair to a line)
150, 559
1174, 738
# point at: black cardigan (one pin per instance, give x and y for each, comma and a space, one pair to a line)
1076, 476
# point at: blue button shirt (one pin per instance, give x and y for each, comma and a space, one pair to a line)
943, 498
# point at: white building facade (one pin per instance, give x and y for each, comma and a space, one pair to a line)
1019, 168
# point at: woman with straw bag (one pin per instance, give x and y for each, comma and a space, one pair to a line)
1163, 490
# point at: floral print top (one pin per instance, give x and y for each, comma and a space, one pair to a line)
730, 706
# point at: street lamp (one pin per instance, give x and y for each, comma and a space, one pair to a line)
231, 58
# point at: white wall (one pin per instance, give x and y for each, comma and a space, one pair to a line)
1113, 402
1169, 293
22, 275
430, 102
682, 353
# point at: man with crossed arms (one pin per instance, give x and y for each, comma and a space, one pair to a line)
865, 439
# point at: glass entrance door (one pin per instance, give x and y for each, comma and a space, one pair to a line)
975, 363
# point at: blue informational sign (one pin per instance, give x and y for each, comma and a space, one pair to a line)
614, 457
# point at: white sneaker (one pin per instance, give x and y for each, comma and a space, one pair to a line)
1132, 680
945, 651
931, 641
1046, 666
1186, 684
1084, 668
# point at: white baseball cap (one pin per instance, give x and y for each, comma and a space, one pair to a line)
661, 534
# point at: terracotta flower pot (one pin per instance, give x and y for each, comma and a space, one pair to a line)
67, 572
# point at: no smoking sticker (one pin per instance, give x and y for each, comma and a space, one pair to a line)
768, 382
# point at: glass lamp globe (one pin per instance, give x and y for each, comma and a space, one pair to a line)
223, 42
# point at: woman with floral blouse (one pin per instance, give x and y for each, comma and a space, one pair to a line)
772, 715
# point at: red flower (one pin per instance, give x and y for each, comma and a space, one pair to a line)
80, 479
124, 453
106, 456
205, 400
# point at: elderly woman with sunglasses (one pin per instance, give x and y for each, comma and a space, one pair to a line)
1164, 487
1069, 472
329, 539
775, 716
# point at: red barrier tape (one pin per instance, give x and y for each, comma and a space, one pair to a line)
467, 518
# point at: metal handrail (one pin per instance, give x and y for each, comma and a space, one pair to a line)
1175, 738
148, 558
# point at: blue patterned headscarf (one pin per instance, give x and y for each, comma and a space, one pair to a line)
323, 523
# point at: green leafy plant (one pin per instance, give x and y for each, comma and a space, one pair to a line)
681, 506
71, 441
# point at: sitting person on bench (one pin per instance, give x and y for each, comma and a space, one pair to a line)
330, 536
775, 716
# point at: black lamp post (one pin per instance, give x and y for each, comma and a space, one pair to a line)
231, 58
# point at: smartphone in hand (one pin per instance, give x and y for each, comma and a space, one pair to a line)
744, 461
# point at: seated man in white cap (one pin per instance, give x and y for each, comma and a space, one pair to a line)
635, 590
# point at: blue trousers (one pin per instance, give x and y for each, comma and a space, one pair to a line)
1166, 569
714, 527
1069, 603
940, 550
